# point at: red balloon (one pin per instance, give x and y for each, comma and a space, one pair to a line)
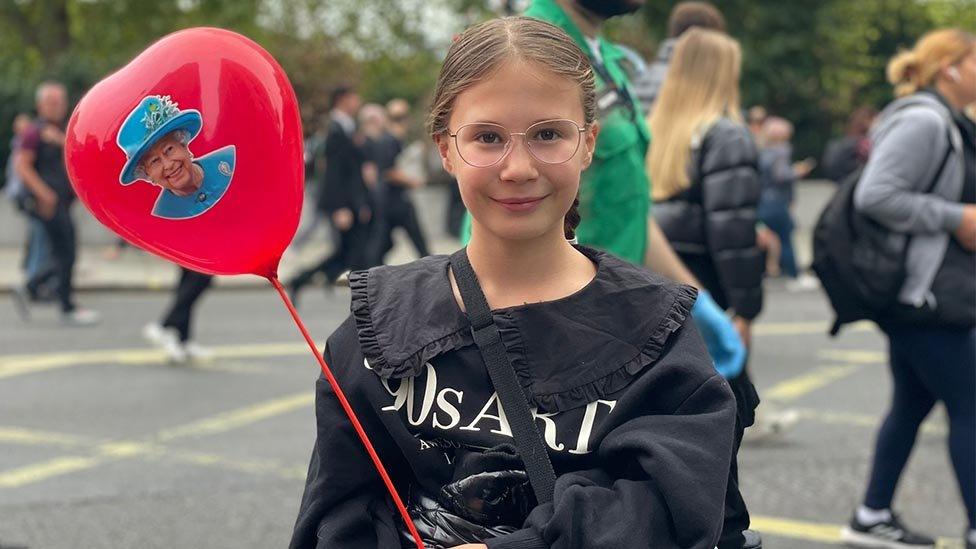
193, 151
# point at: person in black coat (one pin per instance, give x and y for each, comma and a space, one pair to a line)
343, 196
703, 167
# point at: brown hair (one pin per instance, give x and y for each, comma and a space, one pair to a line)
917, 68
686, 15
480, 50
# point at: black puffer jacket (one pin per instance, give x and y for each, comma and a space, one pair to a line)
712, 224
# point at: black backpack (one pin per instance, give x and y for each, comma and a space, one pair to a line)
860, 263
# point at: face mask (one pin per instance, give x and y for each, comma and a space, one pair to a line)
610, 8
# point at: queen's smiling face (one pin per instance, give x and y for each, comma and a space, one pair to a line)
169, 164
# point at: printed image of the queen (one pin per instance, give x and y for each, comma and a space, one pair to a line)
155, 138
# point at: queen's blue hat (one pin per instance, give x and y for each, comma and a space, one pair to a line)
156, 116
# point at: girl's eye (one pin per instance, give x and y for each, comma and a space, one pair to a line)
488, 138
168, 150
546, 134
154, 161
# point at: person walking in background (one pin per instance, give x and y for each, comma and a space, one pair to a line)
37, 249
40, 165
392, 206
846, 155
920, 183
684, 16
777, 176
703, 163
172, 334
344, 197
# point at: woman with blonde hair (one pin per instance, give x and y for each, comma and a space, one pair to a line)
920, 184
703, 164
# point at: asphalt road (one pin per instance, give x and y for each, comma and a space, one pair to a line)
103, 445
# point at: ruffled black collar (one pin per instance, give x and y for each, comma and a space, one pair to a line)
566, 352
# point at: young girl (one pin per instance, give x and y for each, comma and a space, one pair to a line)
636, 421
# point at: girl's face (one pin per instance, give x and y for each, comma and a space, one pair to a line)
520, 197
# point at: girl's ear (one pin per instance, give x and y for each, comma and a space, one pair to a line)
589, 137
443, 142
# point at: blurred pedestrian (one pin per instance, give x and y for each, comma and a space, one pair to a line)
684, 16
777, 176
703, 163
173, 334
40, 165
314, 154
920, 183
37, 249
344, 197
392, 206
846, 155
756, 116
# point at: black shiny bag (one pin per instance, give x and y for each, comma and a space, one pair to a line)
489, 496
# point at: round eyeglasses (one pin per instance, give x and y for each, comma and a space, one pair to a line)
483, 144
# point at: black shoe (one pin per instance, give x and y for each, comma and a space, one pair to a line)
752, 540
888, 534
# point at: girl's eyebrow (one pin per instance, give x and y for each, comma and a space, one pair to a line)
536, 121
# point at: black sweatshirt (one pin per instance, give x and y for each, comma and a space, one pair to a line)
637, 422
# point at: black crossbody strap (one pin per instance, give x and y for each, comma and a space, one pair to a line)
486, 337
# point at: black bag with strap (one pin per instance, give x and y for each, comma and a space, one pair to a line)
860, 262
490, 495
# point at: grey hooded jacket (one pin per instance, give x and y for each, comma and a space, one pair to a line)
913, 137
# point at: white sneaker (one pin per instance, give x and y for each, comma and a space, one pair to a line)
803, 283
167, 340
771, 422
196, 352
81, 317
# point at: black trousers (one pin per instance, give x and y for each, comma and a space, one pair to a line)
191, 287
396, 210
736, 512
350, 254
60, 231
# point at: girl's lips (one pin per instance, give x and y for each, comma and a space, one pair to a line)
520, 204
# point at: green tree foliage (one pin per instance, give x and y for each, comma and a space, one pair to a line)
815, 61
812, 61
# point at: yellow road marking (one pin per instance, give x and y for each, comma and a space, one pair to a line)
792, 389
123, 449
816, 531
46, 469
854, 357
805, 328
15, 365
796, 529
16, 435
932, 426
239, 418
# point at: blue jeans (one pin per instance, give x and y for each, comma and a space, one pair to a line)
928, 365
775, 214
38, 248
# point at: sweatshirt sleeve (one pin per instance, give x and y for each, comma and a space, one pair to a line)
901, 165
345, 502
663, 485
